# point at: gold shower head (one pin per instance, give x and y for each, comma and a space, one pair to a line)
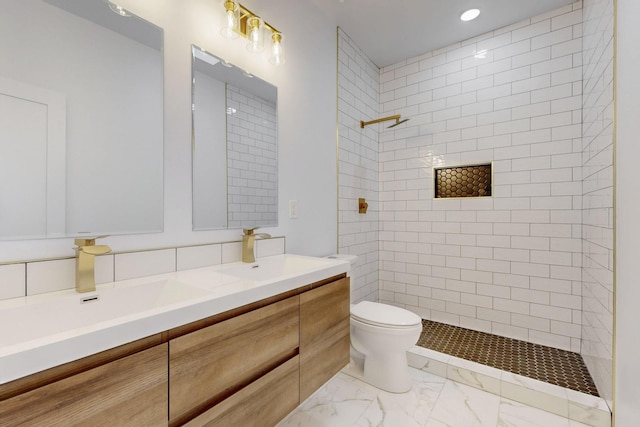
397, 123
384, 119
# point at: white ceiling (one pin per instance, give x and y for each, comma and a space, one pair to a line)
389, 31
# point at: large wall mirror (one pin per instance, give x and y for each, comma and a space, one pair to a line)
235, 150
81, 120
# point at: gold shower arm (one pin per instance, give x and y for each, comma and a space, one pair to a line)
384, 119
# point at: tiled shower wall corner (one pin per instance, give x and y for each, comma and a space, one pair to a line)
597, 188
37, 277
509, 264
358, 165
253, 159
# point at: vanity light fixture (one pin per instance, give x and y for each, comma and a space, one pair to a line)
470, 15
239, 20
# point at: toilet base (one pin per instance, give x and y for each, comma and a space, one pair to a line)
390, 373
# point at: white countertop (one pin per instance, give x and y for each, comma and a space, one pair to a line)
42, 331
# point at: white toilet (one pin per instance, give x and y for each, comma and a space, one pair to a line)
381, 334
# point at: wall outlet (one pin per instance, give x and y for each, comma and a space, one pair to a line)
293, 209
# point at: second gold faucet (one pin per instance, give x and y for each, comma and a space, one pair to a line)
86, 251
248, 241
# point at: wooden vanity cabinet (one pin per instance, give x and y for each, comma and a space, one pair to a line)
324, 334
255, 368
262, 403
131, 391
249, 366
211, 364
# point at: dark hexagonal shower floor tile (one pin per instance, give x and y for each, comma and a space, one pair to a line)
548, 364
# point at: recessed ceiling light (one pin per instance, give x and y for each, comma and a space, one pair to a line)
470, 14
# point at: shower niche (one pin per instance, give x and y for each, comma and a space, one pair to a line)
462, 181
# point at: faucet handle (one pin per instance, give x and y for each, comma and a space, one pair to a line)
88, 241
249, 231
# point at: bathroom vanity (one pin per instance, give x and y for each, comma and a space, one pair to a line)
250, 364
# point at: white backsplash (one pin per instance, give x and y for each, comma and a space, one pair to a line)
50, 276
147, 263
13, 278
36, 277
198, 256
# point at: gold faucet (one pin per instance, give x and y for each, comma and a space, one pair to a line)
86, 251
248, 240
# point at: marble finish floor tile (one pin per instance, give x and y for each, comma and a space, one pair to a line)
432, 402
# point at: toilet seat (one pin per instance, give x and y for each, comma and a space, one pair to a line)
384, 315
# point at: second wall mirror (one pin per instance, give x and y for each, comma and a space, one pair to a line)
234, 146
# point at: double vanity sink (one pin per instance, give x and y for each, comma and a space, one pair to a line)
43, 331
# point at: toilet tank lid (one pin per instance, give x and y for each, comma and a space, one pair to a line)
345, 257
384, 314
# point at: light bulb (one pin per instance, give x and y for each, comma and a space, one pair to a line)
277, 50
256, 41
230, 22
254, 35
231, 19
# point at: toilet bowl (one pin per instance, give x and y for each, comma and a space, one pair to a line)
381, 334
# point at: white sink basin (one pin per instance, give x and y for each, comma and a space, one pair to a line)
88, 310
42, 331
274, 268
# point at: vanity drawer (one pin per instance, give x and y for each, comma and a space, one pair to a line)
209, 365
262, 403
131, 391
324, 334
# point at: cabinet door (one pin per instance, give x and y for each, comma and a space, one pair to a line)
209, 365
324, 334
131, 391
261, 404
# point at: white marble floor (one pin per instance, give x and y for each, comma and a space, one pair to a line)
432, 402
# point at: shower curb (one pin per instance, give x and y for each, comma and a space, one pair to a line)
574, 405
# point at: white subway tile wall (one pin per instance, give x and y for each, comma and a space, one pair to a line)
358, 99
252, 159
37, 277
509, 264
597, 204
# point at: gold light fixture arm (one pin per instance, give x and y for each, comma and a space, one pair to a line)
246, 16
395, 117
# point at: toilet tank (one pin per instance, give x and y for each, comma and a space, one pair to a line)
350, 258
